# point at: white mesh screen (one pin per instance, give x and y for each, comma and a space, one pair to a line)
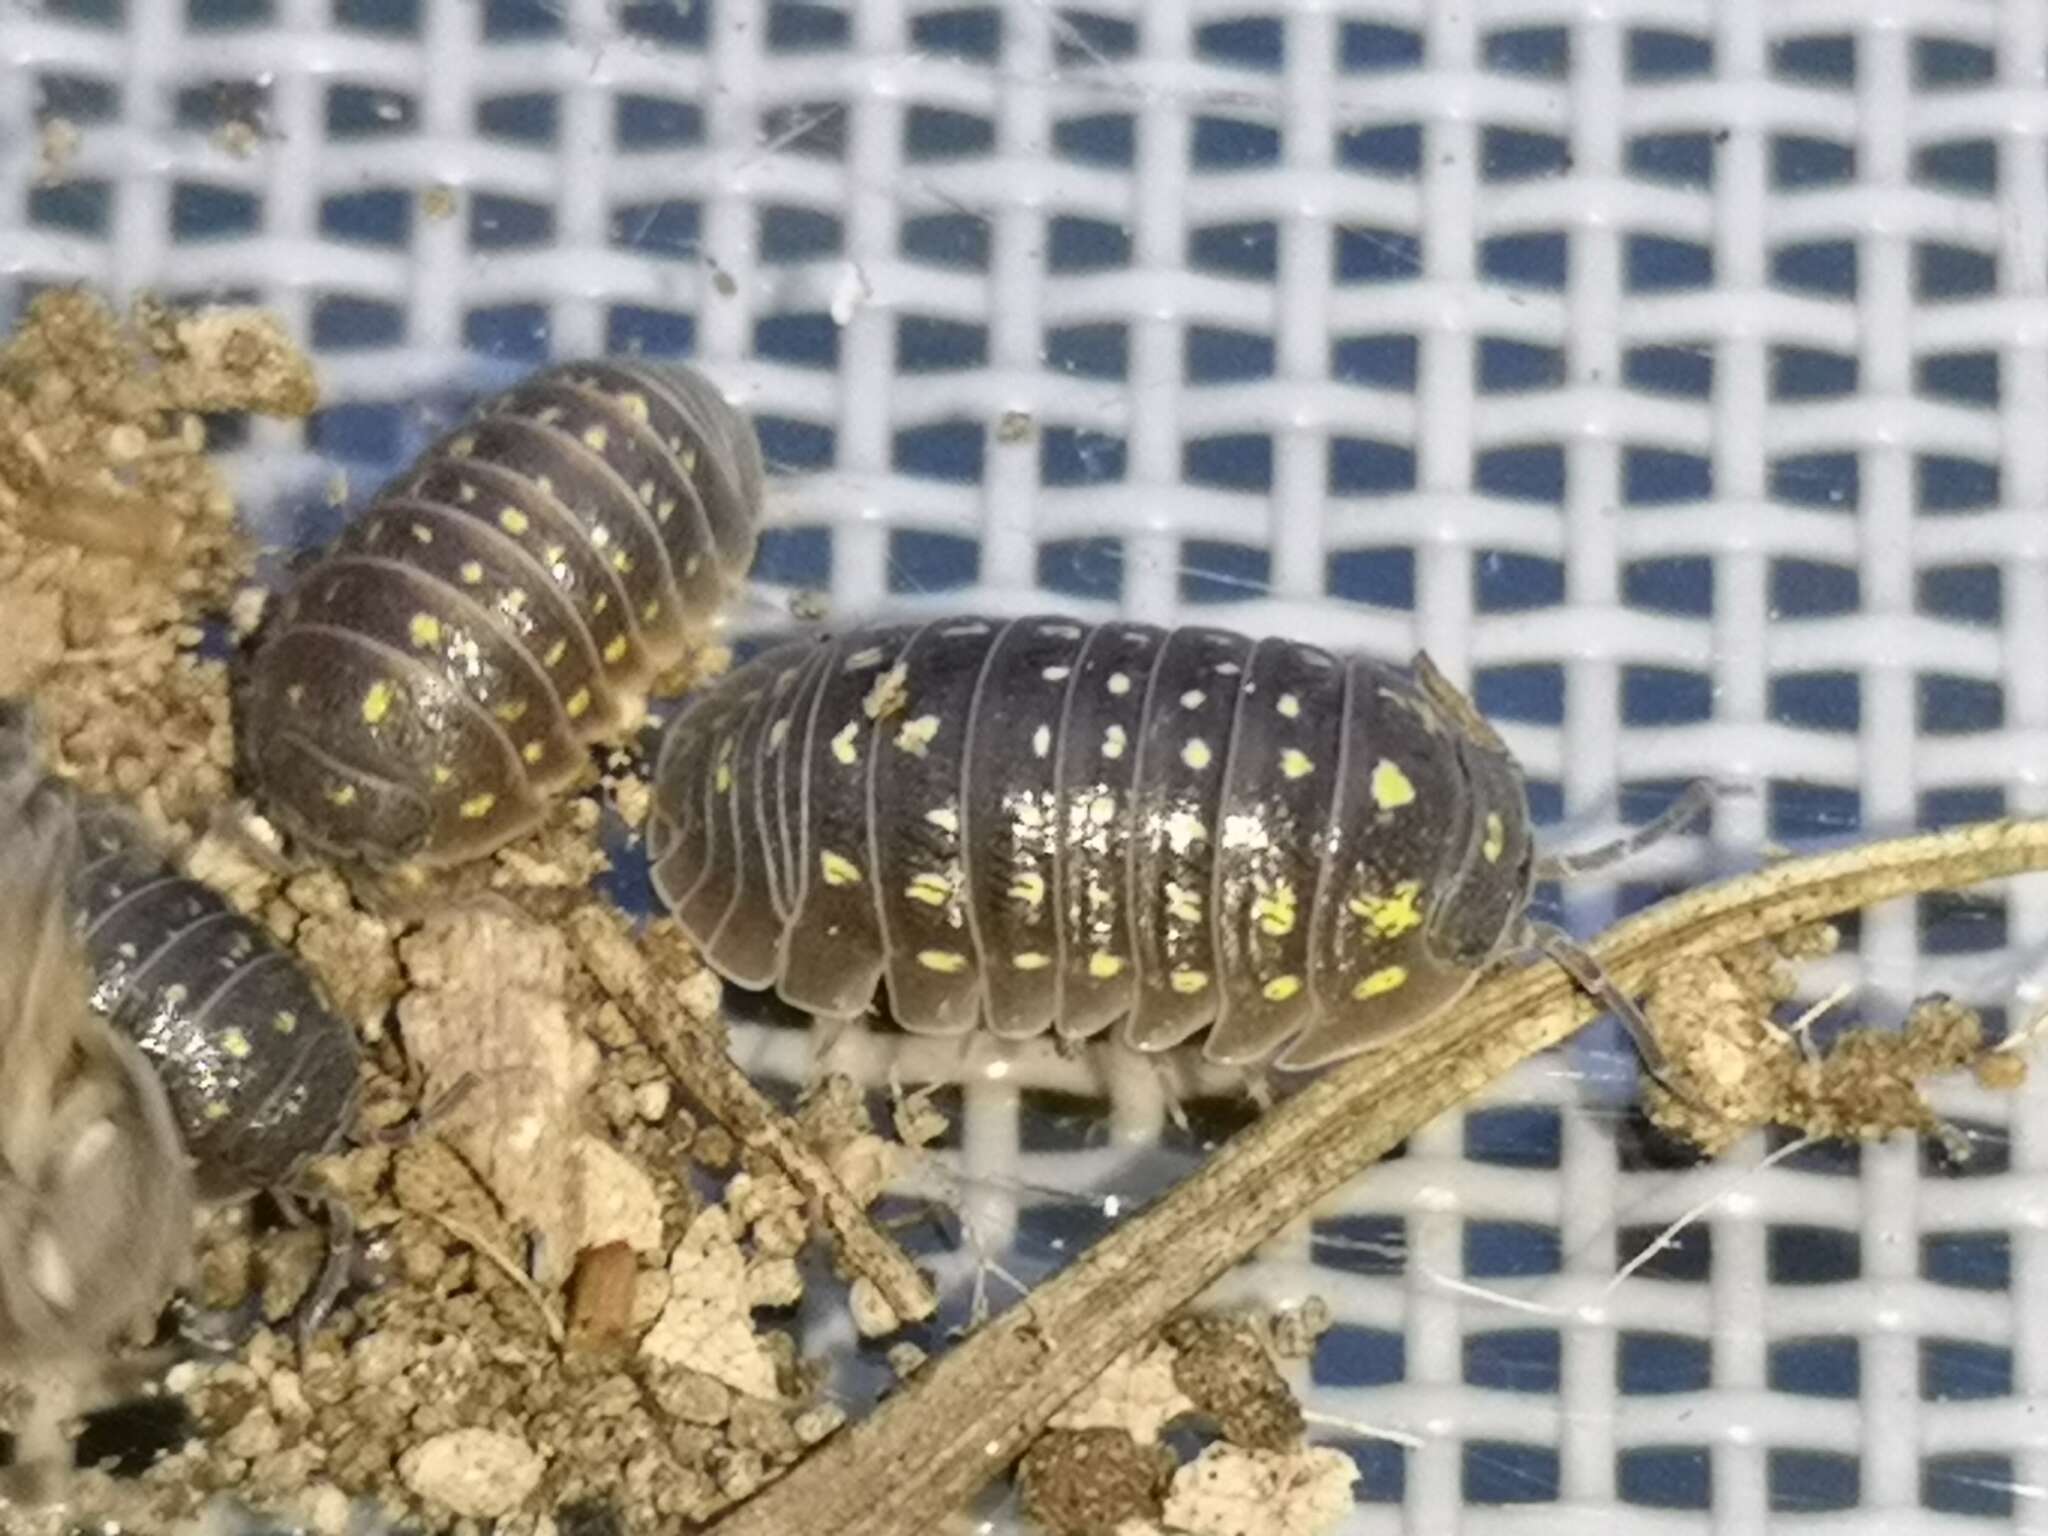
1674, 371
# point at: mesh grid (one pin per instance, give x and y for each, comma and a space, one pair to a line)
1671, 370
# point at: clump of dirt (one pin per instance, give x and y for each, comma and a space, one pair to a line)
1739, 1069
1102, 1469
117, 533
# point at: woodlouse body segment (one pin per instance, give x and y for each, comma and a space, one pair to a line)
431, 681
1042, 823
261, 1073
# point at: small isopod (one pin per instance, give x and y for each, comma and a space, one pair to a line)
262, 1074
1041, 823
95, 1194
431, 681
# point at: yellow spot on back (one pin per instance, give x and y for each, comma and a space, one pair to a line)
932, 890
1276, 910
1496, 838
1041, 741
843, 744
477, 807
295, 695
1119, 683
838, 869
423, 533
472, 573
284, 1021
1296, 764
1390, 916
510, 711
552, 555
513, 521
1103, 966
1187, 983
947, 962
1029, 889
1387, 978
1391, 788
1114, 741
377, 702
443, 773
596, 438
1101, 810
1030, 960
1182, 903
1194, 698
426, 631
634, 404
652, 610
533, 751
1288, 705
216, 1109
778, 733
622, 562
889, 694
579, 704
945, 818
1196, 754
1280, 988
916, 735
1056, 674
235, 1044
556, 652
615, 649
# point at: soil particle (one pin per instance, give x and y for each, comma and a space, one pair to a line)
1223, 1367
1089, 1482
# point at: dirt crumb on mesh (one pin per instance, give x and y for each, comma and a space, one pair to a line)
1742, 1070
1222, 1366
1091, 1482
1102, 1466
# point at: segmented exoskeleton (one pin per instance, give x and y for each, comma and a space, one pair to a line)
262, 1074
1041, 823
95, 1194
429, 683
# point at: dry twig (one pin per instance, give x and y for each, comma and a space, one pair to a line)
705, 1071
967, 1416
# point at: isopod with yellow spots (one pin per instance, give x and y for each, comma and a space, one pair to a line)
1184, 830
503, 603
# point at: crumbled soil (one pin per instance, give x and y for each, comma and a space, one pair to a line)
1739, 1068
1102, 1467
563, 1301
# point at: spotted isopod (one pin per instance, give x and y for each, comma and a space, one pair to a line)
428, 685
1043, 824
261, 1073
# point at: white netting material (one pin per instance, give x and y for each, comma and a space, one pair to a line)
1675, 371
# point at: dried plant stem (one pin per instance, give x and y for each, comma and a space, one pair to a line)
700, 1065
925, 1452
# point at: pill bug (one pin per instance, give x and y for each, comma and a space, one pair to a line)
261, 1073
95, 1196
428, 684
1044, 824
